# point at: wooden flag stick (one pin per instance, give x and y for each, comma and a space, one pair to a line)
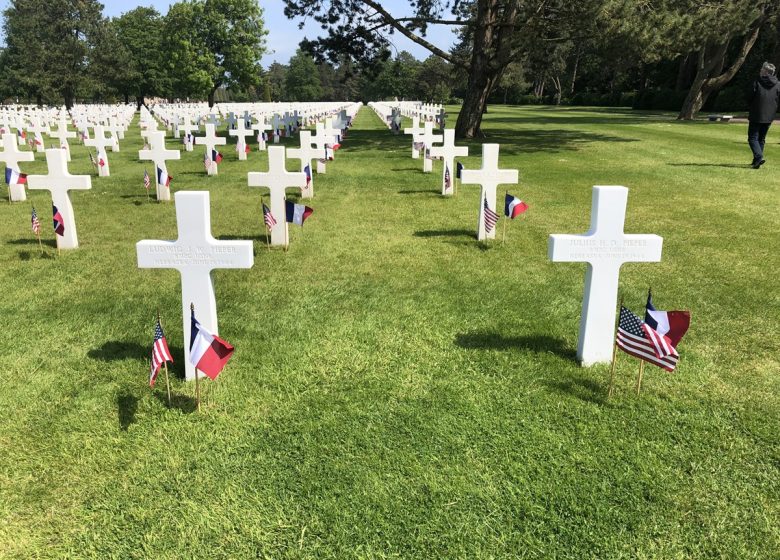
506, 218
40, 243
639, 379
165, 365
614, 359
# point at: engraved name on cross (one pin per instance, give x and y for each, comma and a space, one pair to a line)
195, 254
605, 248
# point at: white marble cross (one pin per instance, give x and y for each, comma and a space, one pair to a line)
213, 120
117, 127
277, 179
210, 141
158, 154
189, 131
429, 138
195, 254
11, 156
241, 132
324, 140
489, 176
605, 248
306, 153
99, 142
113, 131
448, 151
59, 182
62, 135
416, 131
37, 128
261, 126
231, 120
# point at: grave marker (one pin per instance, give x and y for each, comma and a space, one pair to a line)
11, 156
489, 176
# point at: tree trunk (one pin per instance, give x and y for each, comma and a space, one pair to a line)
211, 97
574, 72
710, 76
139, 100
127, 99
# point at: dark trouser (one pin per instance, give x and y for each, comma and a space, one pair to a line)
756, 138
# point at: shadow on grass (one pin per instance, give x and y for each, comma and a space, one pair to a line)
115, 350
126, 405
421, 191
444, 232
27, 255
33, 241
183, 403
730, 165
532, 343
262, 239
584, 389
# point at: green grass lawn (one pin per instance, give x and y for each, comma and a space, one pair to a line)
398, 389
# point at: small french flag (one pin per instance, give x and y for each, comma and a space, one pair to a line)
216, 156
296, 213
14, 177
513, 206
163, 178
307, 170
208, 352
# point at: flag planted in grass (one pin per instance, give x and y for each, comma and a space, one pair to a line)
15, 177
297, 213
268, 218
458, 170
216, 157
638, 339
163, 178
35, 222
160, 353
490, 217
147, 180
58, 222
513, 206
208, 352
672, 324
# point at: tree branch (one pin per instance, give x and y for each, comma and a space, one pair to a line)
411, 36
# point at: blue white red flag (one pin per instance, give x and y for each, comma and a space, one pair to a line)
208, 352
307, 171
296, 213
216, 156
672, 324
163, 178
458, 170
638, 339
59, 223
513, 206
13, 177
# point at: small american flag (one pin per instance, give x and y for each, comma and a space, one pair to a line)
160, 353
36, 223
447, 178
490, 218
637, 338
268, 218
147, 180
92, 159
206, 161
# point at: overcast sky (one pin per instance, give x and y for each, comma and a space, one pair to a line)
283, 35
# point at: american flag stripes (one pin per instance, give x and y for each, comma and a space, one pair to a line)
147, 180
206, 161
490, 217
447, 178
92, 159
268, 218
638, 339
36, 223
160, 353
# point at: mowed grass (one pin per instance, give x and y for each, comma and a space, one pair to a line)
400, 390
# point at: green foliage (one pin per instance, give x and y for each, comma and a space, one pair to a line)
48, 45
140, 31
398, 389
302, 82
277, 79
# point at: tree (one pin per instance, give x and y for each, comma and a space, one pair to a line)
492, 28
190, 67
433, 80
303, 79
111, 64
48, 45
277, 80
140, 31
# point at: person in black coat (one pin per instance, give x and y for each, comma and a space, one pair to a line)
764, 97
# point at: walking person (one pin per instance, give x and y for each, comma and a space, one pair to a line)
764, 97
